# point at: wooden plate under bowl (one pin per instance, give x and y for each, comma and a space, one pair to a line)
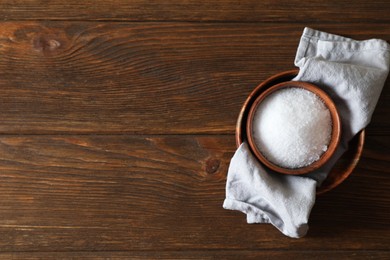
344, 166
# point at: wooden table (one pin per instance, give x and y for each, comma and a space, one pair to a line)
117, 127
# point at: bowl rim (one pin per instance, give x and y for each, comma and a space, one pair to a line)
335, 135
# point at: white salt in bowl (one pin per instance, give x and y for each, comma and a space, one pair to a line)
293, 147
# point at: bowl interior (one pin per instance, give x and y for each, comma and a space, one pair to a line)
335, 135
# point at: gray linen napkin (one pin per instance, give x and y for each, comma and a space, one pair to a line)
353, 74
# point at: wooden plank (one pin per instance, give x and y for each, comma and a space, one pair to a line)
148, 78
210, 254
119, 193
342, 11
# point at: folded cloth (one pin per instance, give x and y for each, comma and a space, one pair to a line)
353, 74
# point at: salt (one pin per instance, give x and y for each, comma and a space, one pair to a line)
292, 127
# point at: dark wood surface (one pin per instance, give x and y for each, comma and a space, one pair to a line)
117, 126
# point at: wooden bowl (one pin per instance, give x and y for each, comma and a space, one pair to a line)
335, 134
343, 167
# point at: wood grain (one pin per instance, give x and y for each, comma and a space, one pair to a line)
199, 254
340, 11
145, 78
97, 193
117, 121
